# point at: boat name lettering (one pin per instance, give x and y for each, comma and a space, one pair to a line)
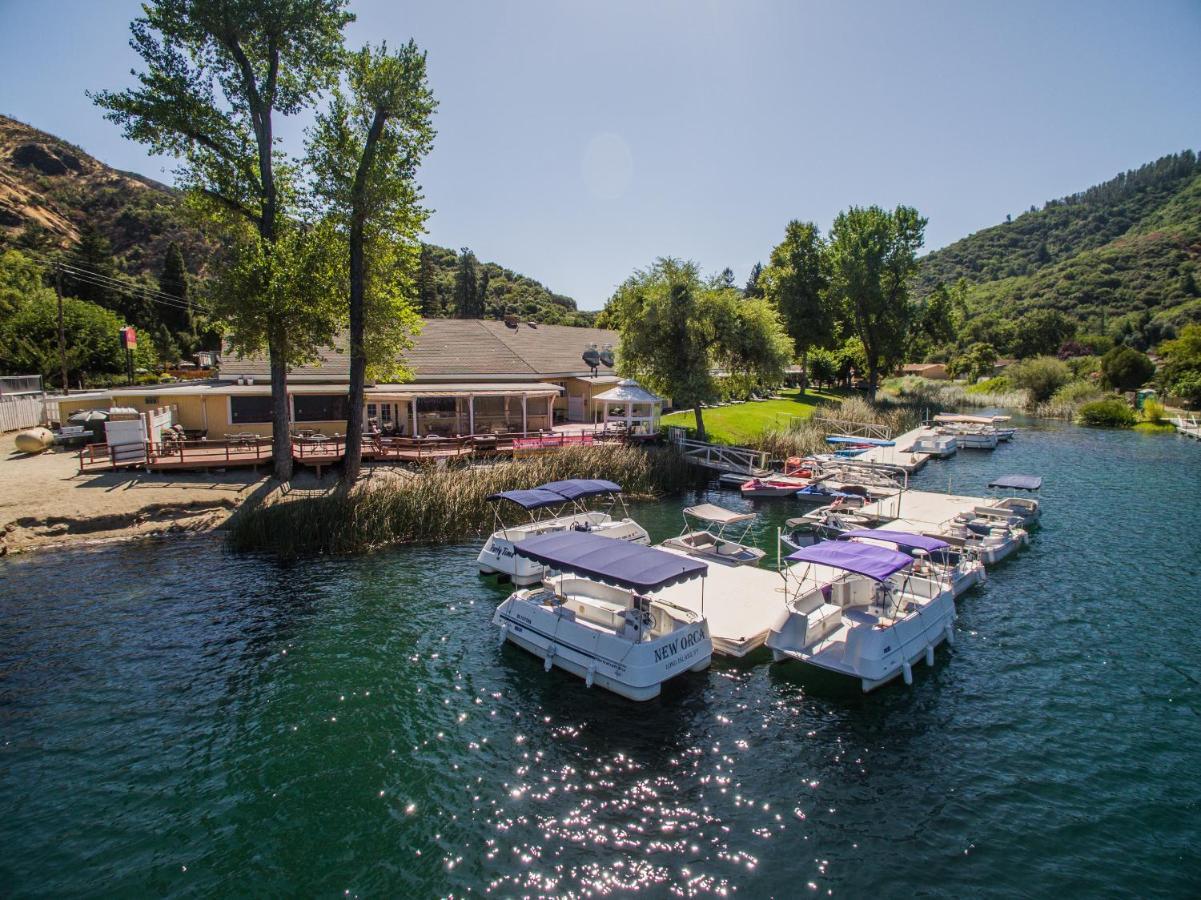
669, 650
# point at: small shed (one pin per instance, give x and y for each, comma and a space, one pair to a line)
632, 404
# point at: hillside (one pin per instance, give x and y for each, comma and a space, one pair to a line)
53, 193
1128, 248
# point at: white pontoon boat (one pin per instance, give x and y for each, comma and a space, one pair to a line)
706, 536
959, 567
862, 611
566, 502
593, 616
1026, 510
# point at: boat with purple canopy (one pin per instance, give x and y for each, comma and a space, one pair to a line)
960, 566
595, 616
578, 504
863, 611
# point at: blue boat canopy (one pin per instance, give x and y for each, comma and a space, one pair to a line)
1018, 482
851, 439
610, 561
900, 538
862, 559
575, 488
534, 498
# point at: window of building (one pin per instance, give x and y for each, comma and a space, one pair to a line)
385, 412
250, 410
321, 407
372, 411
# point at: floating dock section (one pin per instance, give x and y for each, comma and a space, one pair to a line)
925, 507
900, 456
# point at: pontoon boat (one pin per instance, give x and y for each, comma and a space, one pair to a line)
959, 567
1025, 509
705, 536
862, 611
593, 616
566, 501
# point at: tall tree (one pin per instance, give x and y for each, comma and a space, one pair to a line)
482, 303
725, 278
365, 152
428, 301
873, 258
216, 73
466, 291
677, 329
175, 313
753, 287
795, 280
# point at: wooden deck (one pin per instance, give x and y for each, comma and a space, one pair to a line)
320, 453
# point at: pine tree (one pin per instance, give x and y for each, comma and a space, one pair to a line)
467, 294
753, 287
726, 278
173, 281
482, 302
427, 285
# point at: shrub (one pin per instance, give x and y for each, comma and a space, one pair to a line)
1041, 376
1066, 401
1108, 413
998, 385
1126, 369
1153, 412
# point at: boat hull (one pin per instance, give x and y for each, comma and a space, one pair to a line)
632, 670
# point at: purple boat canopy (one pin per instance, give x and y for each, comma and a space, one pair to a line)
575, 488
862, 559
900, 538
1018, 482
610, 561
534, 498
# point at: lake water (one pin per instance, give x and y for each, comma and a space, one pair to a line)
176, 720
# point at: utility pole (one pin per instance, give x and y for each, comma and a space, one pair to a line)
62, 334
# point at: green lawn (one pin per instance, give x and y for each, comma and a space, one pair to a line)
741, 422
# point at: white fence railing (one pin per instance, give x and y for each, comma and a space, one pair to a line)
21, 412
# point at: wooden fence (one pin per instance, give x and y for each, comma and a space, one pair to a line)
21, 412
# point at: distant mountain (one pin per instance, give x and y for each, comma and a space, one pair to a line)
52, 192
1128, 248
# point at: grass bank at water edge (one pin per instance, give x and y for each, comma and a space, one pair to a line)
442, 505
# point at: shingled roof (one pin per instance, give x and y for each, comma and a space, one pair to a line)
452, 348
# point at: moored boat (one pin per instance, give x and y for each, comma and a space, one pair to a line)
959, 567
567, 503
862, 611
1026, 510
594, 616
706, 536
796, 475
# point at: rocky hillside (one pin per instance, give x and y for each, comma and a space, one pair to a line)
1126, 249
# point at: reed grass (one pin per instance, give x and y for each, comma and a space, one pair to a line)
942, 395
441, 505
809, 436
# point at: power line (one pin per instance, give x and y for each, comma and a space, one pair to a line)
99, 279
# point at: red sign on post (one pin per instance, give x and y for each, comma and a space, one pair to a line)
129, 338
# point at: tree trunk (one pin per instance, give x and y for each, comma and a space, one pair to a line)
804, 371
873, 380
358, 358
700, 422
281, 436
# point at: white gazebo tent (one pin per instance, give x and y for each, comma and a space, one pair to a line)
632, 404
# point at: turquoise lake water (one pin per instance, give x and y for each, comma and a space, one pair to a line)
177, 720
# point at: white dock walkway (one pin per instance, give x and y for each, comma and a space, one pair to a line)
900, 456
926, 507
740, 602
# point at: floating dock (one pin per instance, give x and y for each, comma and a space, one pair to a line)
740, 602
926, 508
900, 456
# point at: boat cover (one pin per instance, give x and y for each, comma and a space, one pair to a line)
718, 515
575, 488
821, 490
862, 559
1018, 482
534, 498
851, 439
900, 538
610, 561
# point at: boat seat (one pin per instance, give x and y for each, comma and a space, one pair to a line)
819, 623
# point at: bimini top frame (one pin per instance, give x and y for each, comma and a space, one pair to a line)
617, 563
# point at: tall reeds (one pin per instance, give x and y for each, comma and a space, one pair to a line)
809, 435
441, 505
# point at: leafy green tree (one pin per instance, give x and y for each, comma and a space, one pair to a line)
725, 278
29, 339
823, 366
466, 290
365, 151
482, 302
1041, 333
873, 260
974, 363
988, 328
1126, 369
795, 280
216, 73
1041, 376
935, 323
677, 330
21, 279
1181, 372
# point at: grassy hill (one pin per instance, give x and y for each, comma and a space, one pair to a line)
52, 192
1128, 248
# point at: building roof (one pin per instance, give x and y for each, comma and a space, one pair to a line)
628, 392
459, 348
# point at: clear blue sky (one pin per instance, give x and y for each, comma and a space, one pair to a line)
578, 141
